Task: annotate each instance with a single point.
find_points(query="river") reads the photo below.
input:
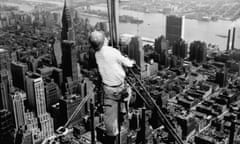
(155, 24)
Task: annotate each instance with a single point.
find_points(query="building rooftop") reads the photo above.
(33, 75)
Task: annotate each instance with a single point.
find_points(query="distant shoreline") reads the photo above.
(92, 15)
(103, 15)
(202, 19)
(27, 8)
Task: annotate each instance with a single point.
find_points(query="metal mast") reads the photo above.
(113, 17)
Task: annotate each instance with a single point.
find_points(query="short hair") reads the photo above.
(96, 39)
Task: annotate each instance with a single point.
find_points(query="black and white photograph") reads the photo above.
(119, 71)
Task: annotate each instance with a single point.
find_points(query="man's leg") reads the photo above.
(111, 120)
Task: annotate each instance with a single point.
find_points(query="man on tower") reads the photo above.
(110, 64)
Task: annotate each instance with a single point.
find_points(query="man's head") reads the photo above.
(96, 39)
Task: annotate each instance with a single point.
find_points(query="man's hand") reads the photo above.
(134, 63)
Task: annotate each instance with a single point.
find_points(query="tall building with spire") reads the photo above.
(69, 51)
(67, 23)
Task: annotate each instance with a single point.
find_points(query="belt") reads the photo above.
(114, 86)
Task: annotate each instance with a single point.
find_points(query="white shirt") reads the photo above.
(110, 61)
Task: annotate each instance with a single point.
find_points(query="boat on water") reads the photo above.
(208, 18)
(205, 18)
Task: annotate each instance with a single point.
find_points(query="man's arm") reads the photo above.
(124, 60)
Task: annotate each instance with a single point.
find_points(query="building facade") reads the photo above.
(6, 126)
(52, 93)
(18, 98)
(67, 24)
(18, 74)
(179, 49)
(37, 102)
(136, 52)
(5, 80)
(174, 28)
(198, 51)
(160, 44)
(69, 60)
(35, 93)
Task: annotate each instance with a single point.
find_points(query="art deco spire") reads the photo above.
(66, 15)
(67, 24)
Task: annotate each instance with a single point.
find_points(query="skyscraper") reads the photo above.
(69, 50)
(5, 80)
(68, 106)
(67, 23)
(18, 98)
(161, 47)
(6, 126)
(179, 49)
(69, 60)
(18, 74)
(198, 51)
(160, 44)
(57, 75)
(36, 99)
(35, 93)
(136, 52)
(69, 103)
(4, 59)
(51, 92)
(5, 88)
(174, 28)
(221, 77)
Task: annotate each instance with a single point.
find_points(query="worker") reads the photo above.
(110, 64)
